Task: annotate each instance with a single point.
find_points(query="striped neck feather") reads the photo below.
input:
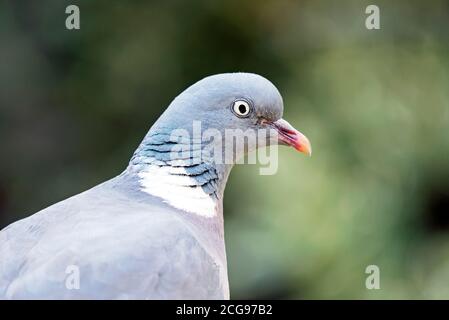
(187, 183)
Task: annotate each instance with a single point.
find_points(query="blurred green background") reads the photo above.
(375, 104)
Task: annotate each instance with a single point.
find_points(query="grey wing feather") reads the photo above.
(120, 250)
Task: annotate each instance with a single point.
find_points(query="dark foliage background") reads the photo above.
(75, 104)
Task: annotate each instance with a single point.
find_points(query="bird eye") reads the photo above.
(241, 108)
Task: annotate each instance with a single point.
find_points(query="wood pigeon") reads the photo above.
(156, 230)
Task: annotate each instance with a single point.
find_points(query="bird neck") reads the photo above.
(189, 181)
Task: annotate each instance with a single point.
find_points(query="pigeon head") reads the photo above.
(188, 153)
(235, 106)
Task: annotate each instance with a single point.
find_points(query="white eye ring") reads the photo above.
(241, 108)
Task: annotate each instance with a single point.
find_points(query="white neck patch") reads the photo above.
(175, 190)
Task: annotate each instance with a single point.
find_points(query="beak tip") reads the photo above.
(307, 150)
(304, 145)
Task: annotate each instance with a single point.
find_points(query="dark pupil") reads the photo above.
(242, 108)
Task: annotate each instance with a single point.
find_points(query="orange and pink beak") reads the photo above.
(288, 135)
